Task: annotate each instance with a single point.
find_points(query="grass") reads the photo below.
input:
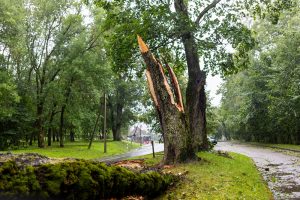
(285, 146)
(217, 177)
(80, 149)
(288, 149)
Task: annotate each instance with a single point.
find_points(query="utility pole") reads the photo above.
(104, 124)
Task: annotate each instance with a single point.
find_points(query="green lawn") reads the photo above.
(80, 149)
(217, 177)
(285, 146)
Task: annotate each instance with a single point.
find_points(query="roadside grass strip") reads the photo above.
(216, 177)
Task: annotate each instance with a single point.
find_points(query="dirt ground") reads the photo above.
(281, 171)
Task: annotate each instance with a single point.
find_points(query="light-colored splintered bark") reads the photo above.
(167, 86)
(151, 88)
(176, 87)
(143, 47)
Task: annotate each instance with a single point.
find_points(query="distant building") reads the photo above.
(137, 134)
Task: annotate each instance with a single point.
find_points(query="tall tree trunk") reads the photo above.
(49, 136)
(195, 92)
(63, 108)
(116, 114)
(61, 125)
(118, 122)
(72, 135)
(177, 135)
(50, 124)
(31, 138)
(39, 125)
(57, 136)
(53, 135)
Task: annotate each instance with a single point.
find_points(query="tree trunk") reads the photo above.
(31, 138)
(116, 114)
(72, 135)
(50, 124)
(195, 92)
(63, 108)
(61, 125)
(53, 135)
(118, 122)
(39, 125)
(177, 135)
(49, 136)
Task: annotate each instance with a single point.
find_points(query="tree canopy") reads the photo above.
(262, 102)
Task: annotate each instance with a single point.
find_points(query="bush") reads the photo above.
(78, 180)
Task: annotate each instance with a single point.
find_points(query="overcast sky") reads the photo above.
(212, 85)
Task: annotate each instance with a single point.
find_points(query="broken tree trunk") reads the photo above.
(178, 141)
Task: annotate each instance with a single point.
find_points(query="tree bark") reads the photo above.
(118, 122)
(177, 135)
(72, 135)
(53, 136)
(63, 108)
(116, 113)
(50, 124)
(195, 92)
(39, 125)
(49, 136)
(61, 125)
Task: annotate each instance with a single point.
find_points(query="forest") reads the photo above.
(262, 102)
(55, 71)
(60, 59)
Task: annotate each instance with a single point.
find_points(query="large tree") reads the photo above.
(190, 30)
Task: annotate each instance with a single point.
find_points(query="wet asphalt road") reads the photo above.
(281, 171)
(143, 150)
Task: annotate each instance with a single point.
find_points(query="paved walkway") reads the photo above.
(281, 171)
(144, 150)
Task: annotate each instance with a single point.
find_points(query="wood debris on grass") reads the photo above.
(133, 198)
(131, 164)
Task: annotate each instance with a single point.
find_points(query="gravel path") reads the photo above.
(281, 171)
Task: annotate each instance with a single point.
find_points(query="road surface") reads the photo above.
(281, 171)
(143, 150)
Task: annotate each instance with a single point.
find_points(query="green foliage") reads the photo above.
(261, 104)
(162, 28)
(8, 95)
(79, 180)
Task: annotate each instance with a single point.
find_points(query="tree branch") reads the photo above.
(209, 7)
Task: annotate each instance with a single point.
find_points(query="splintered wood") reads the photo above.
(132, 164)
(143, 47)
(151, 82)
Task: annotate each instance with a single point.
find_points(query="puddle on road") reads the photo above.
(289, 189)
(274, 165)
(283, 179)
